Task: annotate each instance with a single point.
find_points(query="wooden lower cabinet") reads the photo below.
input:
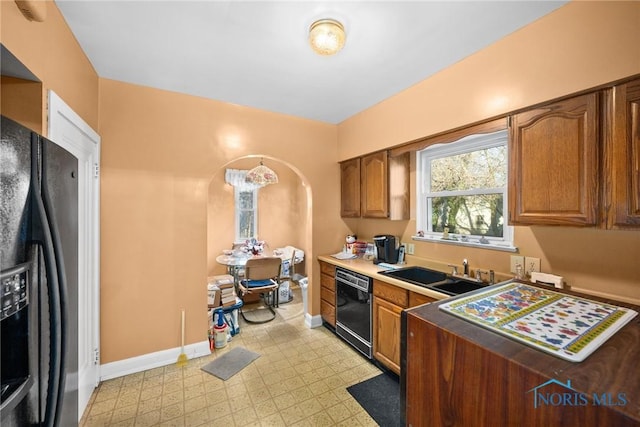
(388, 303)
(328, 293)
(416, 299)
(386, 335)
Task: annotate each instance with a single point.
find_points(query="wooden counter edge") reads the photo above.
(612, 368)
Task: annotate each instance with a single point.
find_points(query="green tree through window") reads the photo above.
(463, 187)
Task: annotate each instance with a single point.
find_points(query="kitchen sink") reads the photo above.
(433, 279)
(416, 275)
(457, 286)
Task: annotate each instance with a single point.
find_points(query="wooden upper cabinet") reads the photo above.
(381, 189)
(399, 186)
(350, 188)
(553, 164)
(375, 185)
(622, 157)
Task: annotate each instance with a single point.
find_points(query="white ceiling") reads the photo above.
(256, 53)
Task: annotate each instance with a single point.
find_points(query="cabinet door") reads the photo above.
(553, 164)
(623, 160)
(350, 188)
(399, 186)
(327, 268)
(391, 293)
(375, 186)
(386, 337)
(328, 313)
(328, 293)
(416, 299)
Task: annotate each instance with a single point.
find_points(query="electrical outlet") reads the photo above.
(411, 248)
(531, 264)
(515, 260)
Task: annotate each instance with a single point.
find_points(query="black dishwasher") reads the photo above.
(353, 309)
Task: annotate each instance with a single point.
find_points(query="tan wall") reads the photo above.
(21, 100)
(581, 45)
(50, 51)
(160, 152)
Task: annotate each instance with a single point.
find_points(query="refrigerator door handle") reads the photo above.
(62, 282)
(42, 235)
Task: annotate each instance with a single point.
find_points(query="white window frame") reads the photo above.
(237, 179)
(423, 209)
(238, 211)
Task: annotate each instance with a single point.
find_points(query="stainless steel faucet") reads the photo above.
(454, 271)
(480, 272)
(465, 266)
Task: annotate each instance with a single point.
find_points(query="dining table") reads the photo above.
(236, 260)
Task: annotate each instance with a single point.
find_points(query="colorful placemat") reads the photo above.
(566, 326)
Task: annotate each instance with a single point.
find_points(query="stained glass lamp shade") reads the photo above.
(262, 175)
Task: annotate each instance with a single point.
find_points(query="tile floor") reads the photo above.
(300, 379)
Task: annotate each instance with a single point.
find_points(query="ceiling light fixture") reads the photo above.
(261, 175)
(326, 36)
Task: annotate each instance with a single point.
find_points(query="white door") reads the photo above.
(69, 131)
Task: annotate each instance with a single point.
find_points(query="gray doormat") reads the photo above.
(229, 364)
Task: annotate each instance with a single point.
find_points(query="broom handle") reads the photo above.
(182, 342)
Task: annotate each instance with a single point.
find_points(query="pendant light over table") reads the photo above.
(262, 175)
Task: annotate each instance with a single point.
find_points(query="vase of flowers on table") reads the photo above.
(254, 246)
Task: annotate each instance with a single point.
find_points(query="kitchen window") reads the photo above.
(462, 189)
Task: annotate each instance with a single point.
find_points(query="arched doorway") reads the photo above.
(284, 211)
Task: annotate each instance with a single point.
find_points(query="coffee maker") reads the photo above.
(387, 249)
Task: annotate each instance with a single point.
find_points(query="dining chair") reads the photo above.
(261, 276)
(292, 275)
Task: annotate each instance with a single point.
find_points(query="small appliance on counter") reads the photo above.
(387, 249)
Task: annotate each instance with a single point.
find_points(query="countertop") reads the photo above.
(368, 268)
(611, 369)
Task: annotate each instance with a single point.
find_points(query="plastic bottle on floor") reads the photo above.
(220, 331)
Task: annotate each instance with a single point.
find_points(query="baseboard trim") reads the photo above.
(167, 357)
(312, 321)
(152, 360)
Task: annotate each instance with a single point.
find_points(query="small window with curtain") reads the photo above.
(462, 189)
(246, 205)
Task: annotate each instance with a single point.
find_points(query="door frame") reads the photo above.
(60, 117)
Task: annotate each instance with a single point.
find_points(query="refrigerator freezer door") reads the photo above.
(39, 190)
(60, 194)
(15, 177)
(19, 334)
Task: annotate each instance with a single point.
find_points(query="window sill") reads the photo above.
(473, 243)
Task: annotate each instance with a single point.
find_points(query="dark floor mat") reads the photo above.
(380, 397)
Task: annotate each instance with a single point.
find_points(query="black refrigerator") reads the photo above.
(38, 280)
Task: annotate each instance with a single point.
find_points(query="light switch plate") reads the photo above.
(531, 264)
(515, 260)
(410, 248)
